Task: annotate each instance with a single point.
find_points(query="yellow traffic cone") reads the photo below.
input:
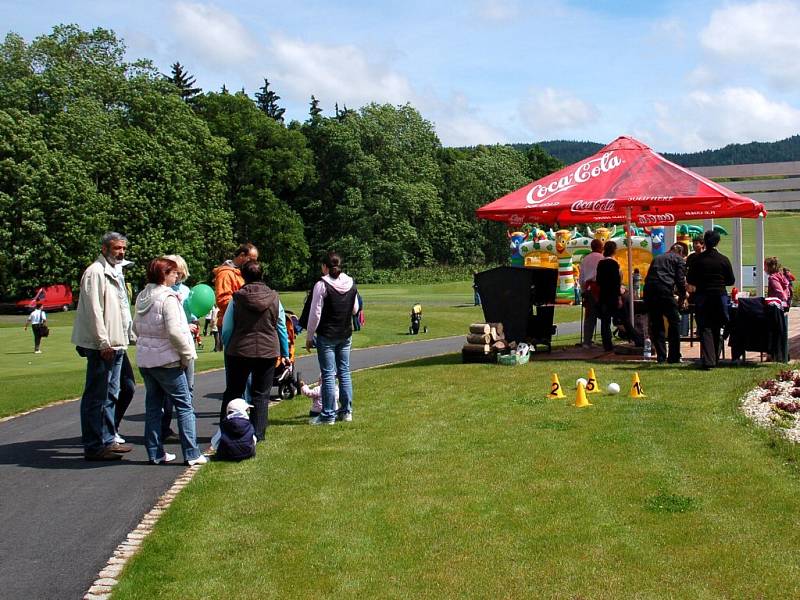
(580, 398)
(636, 387)
(555, 387)
(592, 387)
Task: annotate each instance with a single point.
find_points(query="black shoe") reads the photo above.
(169, 436)
(105, 454)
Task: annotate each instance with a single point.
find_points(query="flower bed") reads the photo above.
(776, 403)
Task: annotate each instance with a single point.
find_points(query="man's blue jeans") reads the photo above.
(97, 403)
(161, 383)
(334, 360)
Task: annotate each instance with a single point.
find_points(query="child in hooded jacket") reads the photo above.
(236, 437)
(315, 393)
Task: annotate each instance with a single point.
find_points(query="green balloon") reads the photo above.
(201, 299)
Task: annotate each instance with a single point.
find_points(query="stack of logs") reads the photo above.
(484, 341)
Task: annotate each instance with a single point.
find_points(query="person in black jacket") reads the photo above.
(236, 438)
(609, 280)
(665, 278)
(710, 273)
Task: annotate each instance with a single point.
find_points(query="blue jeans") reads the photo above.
(97, 403)
(166, 419)
(334, 360)
(161, 383)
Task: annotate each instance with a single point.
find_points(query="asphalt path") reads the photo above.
(61, 517)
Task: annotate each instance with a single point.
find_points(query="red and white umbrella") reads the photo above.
(624, 181)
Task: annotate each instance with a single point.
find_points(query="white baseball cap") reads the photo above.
(238, 404)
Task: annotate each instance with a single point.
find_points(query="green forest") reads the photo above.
(90, 143)
(786, 150)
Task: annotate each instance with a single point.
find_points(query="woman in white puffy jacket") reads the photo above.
(163, 351)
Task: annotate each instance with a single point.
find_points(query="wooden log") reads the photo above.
(500, 345)
(496, 335)
(479, 328)
(478, 348)
(479, 338)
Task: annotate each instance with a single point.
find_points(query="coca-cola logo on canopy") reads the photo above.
(582, 173)
(583, 206)
(651, 219)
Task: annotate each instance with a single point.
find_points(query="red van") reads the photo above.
(52, 297)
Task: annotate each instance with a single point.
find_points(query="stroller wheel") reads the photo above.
(286, 390)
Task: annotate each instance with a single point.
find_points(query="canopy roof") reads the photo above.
(624, 174)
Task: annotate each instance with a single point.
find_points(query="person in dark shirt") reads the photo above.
(609, 280)
(665, 278)
(710, 273)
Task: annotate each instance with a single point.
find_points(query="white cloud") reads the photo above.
(702, 76)
(468, 130)
(759, 34)
(500, 11)
(341, 73)
(216, 36)
(552, 111)
(732, 115)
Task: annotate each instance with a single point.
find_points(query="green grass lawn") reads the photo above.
(465, 482)
(31, 380)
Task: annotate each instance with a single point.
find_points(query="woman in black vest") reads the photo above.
(334, 301)
(254, 333)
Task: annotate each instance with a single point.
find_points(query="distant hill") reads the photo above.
(732, 154)
(564, 150)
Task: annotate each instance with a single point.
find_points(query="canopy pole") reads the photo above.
(629, 245)
(760, 256)
(737, 252)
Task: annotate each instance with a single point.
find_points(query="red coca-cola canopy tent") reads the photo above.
(625, 175)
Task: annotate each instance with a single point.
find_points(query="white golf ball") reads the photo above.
(579, 381)
(613, 388)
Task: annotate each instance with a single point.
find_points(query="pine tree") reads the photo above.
(224, 91)
(315, 111)
(184, 82)
(341, 115)
(267, 102)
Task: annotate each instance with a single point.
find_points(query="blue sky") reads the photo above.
(679, 75)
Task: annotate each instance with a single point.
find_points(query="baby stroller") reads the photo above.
(287, 377)
(416, 319)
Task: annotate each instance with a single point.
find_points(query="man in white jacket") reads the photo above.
(101, 335)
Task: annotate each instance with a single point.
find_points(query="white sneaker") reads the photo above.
(346, 417)
(119, 439)
(37, 352)
(167, 458)
(320, 421)
(200, 460)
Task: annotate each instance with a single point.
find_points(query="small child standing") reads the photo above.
(236, 438)
(315, 393)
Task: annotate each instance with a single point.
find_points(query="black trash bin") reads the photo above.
(522, 300)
